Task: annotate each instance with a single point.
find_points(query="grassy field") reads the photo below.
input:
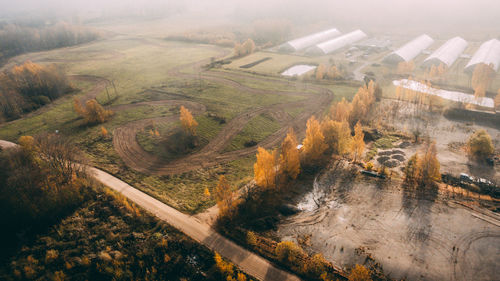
(136, 65)
(256, 130)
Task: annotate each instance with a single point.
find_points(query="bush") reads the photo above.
(289, 252)
(480, 145)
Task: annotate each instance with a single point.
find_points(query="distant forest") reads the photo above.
(19, 38)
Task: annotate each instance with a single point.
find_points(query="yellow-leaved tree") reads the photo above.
(340, 111)
(92, 112)
(265, 168)
(320, 71)
(224, 197)
(337, 136)
(430, 166)
(187, 121)
(314, 143)
(289, 158)
(358, 143)
(480, 145)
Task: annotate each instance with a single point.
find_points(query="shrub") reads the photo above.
(480, 145)
(289, 252)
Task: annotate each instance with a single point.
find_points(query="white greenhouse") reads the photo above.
(410, 50)
(488, 53)
(308, 41)
(448, 53)
(337, 43)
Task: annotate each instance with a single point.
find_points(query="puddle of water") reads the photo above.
(449, 95)
(298, 70)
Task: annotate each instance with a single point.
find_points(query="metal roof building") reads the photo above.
(488, 53)
(337, 43)
(310, 40)
(410, 50)
(448, 53)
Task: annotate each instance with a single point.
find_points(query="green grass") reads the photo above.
(135, 67)
(256, 130)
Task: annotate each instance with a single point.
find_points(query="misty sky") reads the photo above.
(366, 12)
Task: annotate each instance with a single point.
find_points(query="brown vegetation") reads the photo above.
(481, 79)
(245, 48)
(40, 182)
(480, 145)
(423, 168)
(92, 112)
(29, 86)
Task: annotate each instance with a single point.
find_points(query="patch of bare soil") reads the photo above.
(418, 236)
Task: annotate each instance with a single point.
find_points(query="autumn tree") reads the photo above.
(340, 111)
(248, 46)
(423, 169)
(480, 145)
(429, 166)
(358, 143)
(412, 173)
(497, 101)
(289, 252)
(337, 136)
(224, 197)
(481, 79)
(104, 132)
(334, 73)
(314, 142)
(92, 112)
(362, 103)
(187, 121)
(265, 168)
(359, 273)
(320, 71)
(289, 158)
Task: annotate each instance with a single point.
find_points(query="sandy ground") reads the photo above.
(414, 237)
(450, 136)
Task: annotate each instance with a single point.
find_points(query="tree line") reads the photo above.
(29, 86)
(17, 39)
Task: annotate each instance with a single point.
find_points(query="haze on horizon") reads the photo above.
(477, 15)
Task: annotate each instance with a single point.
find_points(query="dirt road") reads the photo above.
(250, 263)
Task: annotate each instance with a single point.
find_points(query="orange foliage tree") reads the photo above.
(337, 135)
(314, 143)
(359, 273)
(265, 168)
(92, 112)
(481, 79)
(320, 71)
(340, 111)
(358, 143)
(289, 158)
(187, 121)
(224, 197)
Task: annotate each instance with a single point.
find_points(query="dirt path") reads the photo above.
(135, 157)
(249, 262)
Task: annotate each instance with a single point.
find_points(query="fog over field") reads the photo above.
(365, 12)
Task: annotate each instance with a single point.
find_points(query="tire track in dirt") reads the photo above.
(135, 157)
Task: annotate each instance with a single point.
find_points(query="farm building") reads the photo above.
(410, 50)
(336, 43)
(308, 41)
(488, 53)
(447, 54)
